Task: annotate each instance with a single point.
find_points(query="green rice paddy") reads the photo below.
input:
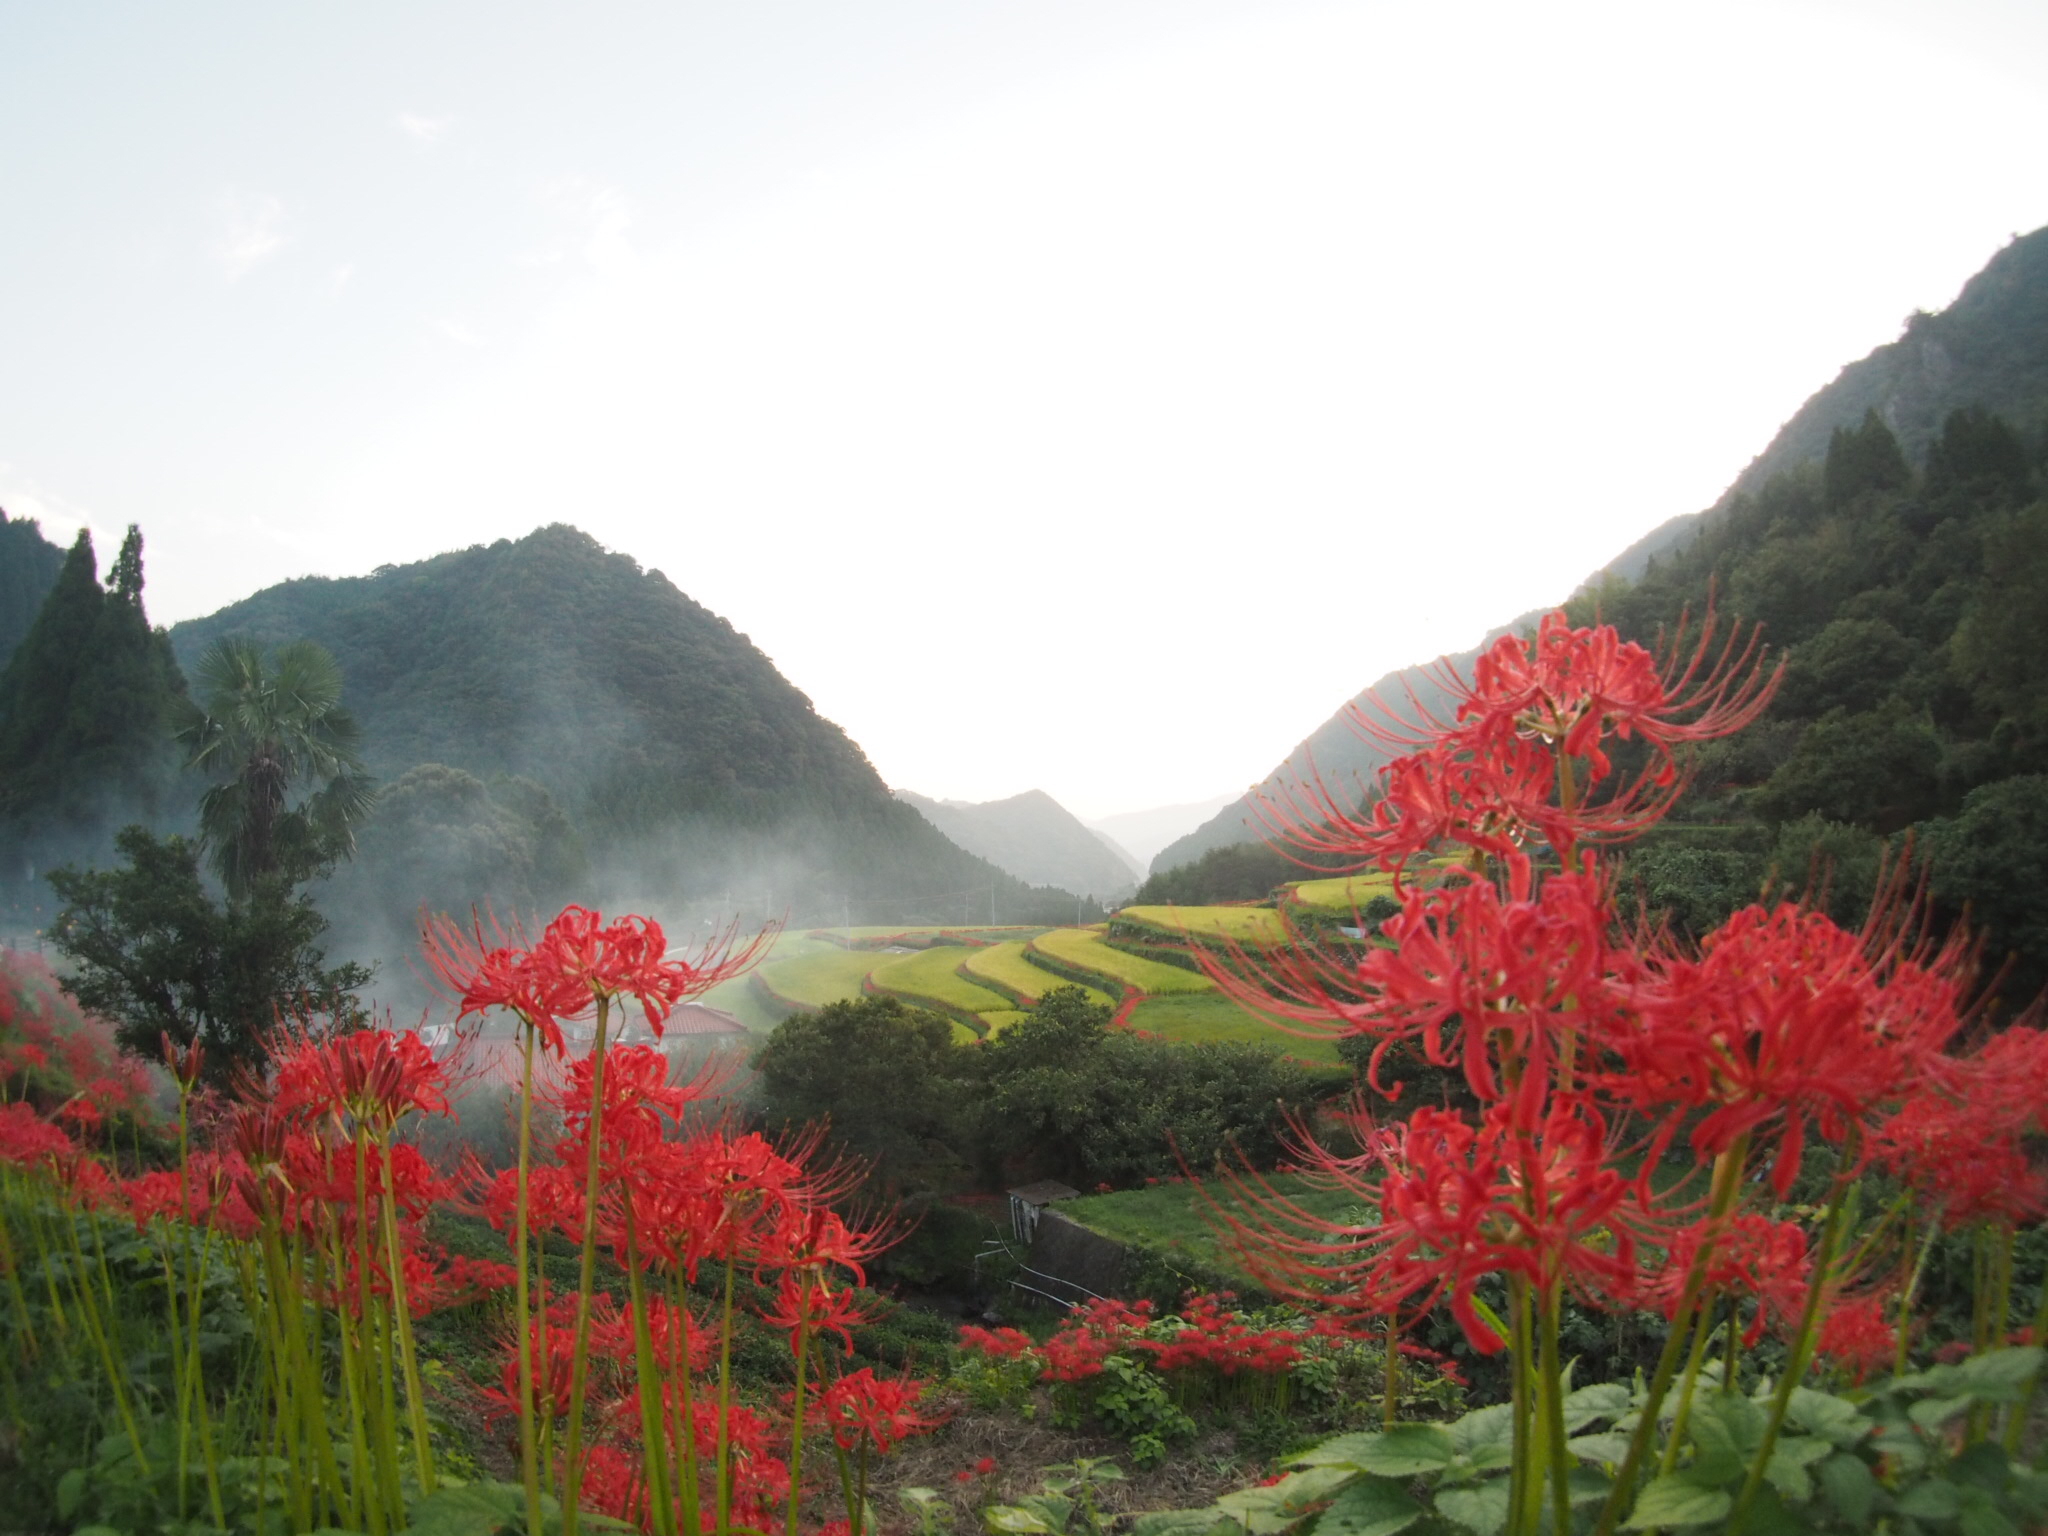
(1084, 949)
(1345, 894)
(823, 976)
(1247, 925)
(1212, 1016)
(933, 974)
(1004, 968)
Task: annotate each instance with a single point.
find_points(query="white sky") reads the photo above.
(1087, 395)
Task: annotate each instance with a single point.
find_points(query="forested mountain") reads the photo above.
(559, 723)
(1893, 542)
(1035, 838)
(28, 569)
(86, 701)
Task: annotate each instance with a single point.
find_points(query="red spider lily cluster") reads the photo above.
(628, 1409)
(1208, 1345)
(54, 1056)
(623, 1396)
(1606, 1058)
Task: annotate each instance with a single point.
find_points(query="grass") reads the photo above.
(1212, 1016)
(1247, 925)
(823, 976)
(1345, 894)
(1083, 948)
(932, 973)
(1175, 1215)
(1004, 968)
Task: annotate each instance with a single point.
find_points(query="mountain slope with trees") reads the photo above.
(87, 702)
(1893, 502)
(29, 564)
(681, 760)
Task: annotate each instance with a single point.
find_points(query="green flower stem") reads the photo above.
(88, 1311)
(522, 1299)
(408, 1358)
(1390, 1405)
(374, 1353)
(1796, 1361)
(724, 1467)
(684, 1426)
(1721, 1197)
(1700, 1338)
(796, 1428)
(1525, 1490)
(586, 1279)
(653, 1451)
(1550, 1389)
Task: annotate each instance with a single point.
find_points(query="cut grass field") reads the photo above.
(1212, 1016)
(1084, 949)
(933, 974)
(1247, 925)
(1003, 968)
(1178, 1218)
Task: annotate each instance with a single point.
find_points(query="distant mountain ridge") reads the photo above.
(1036, 839)
(1988, 348)
(666, 737)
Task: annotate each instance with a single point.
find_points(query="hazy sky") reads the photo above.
(1087, 395)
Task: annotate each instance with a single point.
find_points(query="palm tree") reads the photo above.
(266, 731)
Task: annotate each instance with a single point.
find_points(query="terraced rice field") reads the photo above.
(1003, 968)
(932, 974)
(823, 976)
(1246, 925)
(1212, 1016)
(1083, 948)
(871, 935)
(1000, 1020)
(1345, 894)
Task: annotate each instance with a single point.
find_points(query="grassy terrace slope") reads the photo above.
(1244, 925)
(1199, 1016)
(930, 979)
(1003, 968)
(1345, 894)
(1082, 950)
(1175, 1221)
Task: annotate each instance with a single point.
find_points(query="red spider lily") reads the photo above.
(1457, 1202)
(1963, 1163)
(1859, 1334)
(1785, 1018)
(149, 1196)
(81, 1113)
(862, 1407)
(997, 1344)
(1489, 776)
(27, 1139)
(1093, 1332)
(1213, 1337)
(805, 1303)
(376, 1076)
(1748, 1255)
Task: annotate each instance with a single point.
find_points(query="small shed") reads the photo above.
(1027, 1200)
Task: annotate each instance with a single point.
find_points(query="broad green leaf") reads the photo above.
(1934, 1499)
(1338, 1451)
(1933, 1412)
(469, 1509)
(1484, 1428)
(1602, 1400)
(1311, 1485)
(1407, 1449)
(1482, 1509)
(1672, 1500)
(1010, 1519)
(1983, 1465)
(1180, 1522)
(1369, 1507)
(1998, 1375)
(1260, 1511)
(70, 1489)
(1789, 1478)
(1981, 1516)
(1586, 1484)
(1609, 1448)
(1850, 1488)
